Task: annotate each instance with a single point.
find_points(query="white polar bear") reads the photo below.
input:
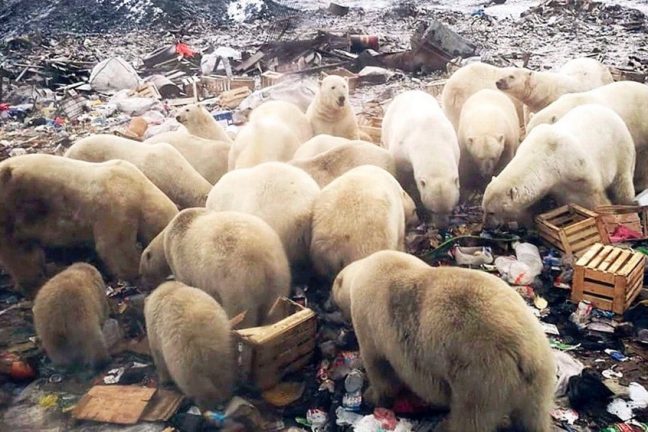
(264, 140)
(539, 89)
(586, 158)
(363, 211)
(627, 98)
(489, 134)
(330, 112)
(425, 148)
(467, 81)
(331, 164)
(289, 114)
(198, 121)
(322, 143)
(208, 157)
(278, 193)
(160, 163)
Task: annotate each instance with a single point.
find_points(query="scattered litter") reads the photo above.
(565, 415)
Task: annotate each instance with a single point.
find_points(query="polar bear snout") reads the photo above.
(341, 100)
(502, 84)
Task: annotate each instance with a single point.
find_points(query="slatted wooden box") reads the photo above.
(572, 229)
(372, 126)
(268, 353)
(609, 277)
(632, 217)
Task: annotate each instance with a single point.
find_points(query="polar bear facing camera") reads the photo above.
(586, 158)
(422, 328)
(330, 112)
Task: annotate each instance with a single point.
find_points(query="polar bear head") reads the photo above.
(517, 82)
(334, 92)
(154, 267)
(192, 114)
(440, 195)
(501, 204)
(486, 151)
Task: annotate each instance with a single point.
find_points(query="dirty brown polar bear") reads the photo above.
(160, 163)
(51, 201)
(455, 337)
(234, 257)
(69, 311)
(190, 339)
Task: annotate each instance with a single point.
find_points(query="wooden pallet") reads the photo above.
(632, 217)
(268, 353)
(572, 229)
(270, 78)
(609, 277)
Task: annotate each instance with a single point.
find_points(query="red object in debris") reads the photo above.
(409, 403)
(4, 107)
(622, 233)
(15, 367)
(386, 417)
(184, 50)
(59, 121)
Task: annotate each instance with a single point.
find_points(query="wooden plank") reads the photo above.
(610, 259)
(583, 211)
(591, 253)
(564, 220)
(595, 275)
(600, 290)
(620, 261)
(631, 264)
(119, 404)
(261, 335)
(579, 226)
(544, 230)
(565, 242)
(618, 302)
(598, 259)
(585, 243)
(598, 302)
(554, 213)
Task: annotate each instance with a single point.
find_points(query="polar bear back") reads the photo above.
(589, 73)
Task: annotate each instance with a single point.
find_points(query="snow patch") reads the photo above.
(241, 10)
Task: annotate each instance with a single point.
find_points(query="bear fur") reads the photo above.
(426, 151)
(539, 89)
(198, 121)
(330, 112)
(323, 143)
(278, 193)
(191, 344)
(489, 133)
(288, 114)
(331, 164)
(52, 201)
(234, 257)
(363, 211)
(208, 157)
(263, 140)
(457, 338)
(586, 158)
(69, 312)
(161, 163)
(467, 81)
(629, 99)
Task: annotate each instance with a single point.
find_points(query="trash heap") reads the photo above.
(55, 90)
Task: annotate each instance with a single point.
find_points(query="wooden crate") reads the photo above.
(217, 84)
(269, 352)
(270, 78)
(609, 277)
(232, 98)
(632, 217)
(572, 229)
(372, 126)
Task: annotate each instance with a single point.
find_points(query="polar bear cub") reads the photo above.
(426, 151)
(586, 158)
(190, 339)
(419, 326)
(363, 211)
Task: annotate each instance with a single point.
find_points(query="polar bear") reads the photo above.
(425, 147)
(331, 164)
(422, 329)
(627, 98)
(322, 143)
(288, 114)
(161, 163)
(586, 158)
(69, 312)
(236, 258)
(208, 157)
(467, 81)
(278, 193)
(489, 134)
(198, 121)
(263, 140)
(51, 201)
(330, 112)
(539, 89)
(191, 344)
(361, 212)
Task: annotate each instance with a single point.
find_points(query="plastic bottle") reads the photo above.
(513, 271)
(529, 255)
